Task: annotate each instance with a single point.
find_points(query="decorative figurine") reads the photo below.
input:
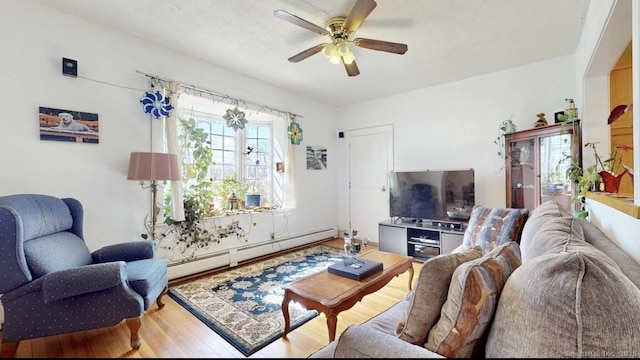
(233, 201)
(541, 121)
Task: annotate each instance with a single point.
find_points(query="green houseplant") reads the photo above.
(199, 192)
(589, 179)
(506, 127)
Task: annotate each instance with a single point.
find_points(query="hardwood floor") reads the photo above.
(174, 332)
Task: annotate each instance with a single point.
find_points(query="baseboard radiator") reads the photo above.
(231, 257)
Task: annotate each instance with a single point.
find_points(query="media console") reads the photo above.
(420, 239)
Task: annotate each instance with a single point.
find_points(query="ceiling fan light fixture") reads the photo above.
(348, 58)
(331, 52)
(326, 49)
(343, 48)
(335, 60)
(345, 51)
(340, 30)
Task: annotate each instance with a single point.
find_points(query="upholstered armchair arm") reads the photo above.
(359, 341)
(83, 280)
(127, 251)
(33, 286)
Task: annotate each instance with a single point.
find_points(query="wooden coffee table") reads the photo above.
(331, 294)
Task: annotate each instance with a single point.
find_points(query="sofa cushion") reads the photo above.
(491, 227)
(552, 235)
(627, 264)
(387, 320)
(429, 293)
(358, 341)
(562, 234)
(547, 210)
(564, 305)
(471, 302)
(147, 277)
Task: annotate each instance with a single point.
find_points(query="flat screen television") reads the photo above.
(431, 195)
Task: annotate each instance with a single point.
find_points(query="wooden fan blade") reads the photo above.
(358, 13)
(288, 17)
(306, 53)
(352, 69)
(380, 45)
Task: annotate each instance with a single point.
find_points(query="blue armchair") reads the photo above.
(52, 284)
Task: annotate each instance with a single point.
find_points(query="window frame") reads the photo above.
(241, 161)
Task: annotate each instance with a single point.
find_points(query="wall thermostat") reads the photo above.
(69, 67)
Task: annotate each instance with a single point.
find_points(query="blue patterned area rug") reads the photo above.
(244, 304)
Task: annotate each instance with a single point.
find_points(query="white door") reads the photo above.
(370, 160)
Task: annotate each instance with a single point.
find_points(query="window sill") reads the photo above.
(246, 212)
(620, 202)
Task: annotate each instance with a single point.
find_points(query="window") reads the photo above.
(247, 154)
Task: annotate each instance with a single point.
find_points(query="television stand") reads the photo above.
(422, 240)
(404, 220)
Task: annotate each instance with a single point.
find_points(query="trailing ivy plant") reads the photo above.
(506, 127)
(192, 235)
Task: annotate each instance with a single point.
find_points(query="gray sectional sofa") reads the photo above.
(571, 293)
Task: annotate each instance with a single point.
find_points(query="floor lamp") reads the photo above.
(153, 167)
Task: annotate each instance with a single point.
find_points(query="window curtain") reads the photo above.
(290, 171)
(171, 131)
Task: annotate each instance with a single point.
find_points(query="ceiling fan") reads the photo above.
(340, 29)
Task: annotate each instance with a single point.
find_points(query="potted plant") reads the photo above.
(589, 179)
(607, 166)
(506, 127)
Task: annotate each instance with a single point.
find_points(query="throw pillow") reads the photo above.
(471, 302)
(570, 304)
(491, 227)
(429, 293)
(543, 213)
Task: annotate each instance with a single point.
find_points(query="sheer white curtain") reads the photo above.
(290, 171)
(171, 133)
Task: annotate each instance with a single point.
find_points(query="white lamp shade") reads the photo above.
(153, 166)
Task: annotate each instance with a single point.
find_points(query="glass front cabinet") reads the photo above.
(536, 164)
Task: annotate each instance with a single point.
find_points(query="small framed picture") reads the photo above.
(68, 125)
(280, 166)
(316, 158)
(559, 117)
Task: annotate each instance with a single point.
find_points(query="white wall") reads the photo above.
(458, 121)
(453, 126)
(36, 38)
(609, 26)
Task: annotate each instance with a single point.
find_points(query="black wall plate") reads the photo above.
(69, 67)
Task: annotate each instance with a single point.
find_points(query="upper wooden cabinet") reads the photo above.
(621, 131)
(535, 171)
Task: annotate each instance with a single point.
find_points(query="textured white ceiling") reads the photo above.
(448, 40)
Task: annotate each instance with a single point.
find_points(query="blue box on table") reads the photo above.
(355, 268)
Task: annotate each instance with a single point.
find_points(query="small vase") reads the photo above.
(611, 182)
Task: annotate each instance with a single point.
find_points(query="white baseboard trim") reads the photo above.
(232, 257)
